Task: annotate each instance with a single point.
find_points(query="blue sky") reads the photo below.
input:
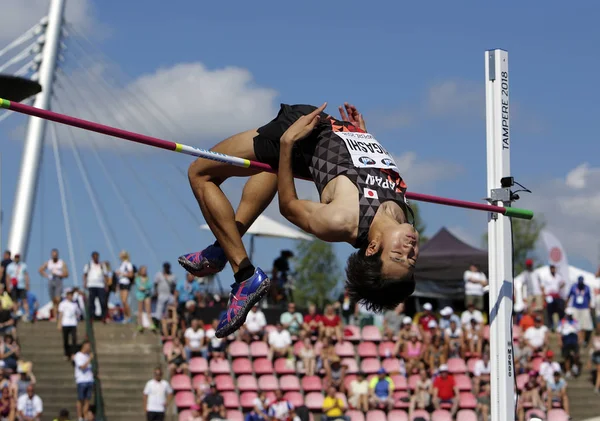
(414, 69)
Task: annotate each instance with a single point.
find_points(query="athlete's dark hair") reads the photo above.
(366, 286)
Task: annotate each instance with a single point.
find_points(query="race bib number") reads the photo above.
(366, 151)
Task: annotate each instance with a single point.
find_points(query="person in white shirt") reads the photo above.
(532, 287)
(552, 287)
(481, 372)
(475, 281)
(536, 337)
(84, 378)
(157, 397)
(68, 317)
(469, 314)
(548, 367)
(18, 276)
(95, 280)
(216, 346)
(255, 322)
(125, 275)
(56, 271)
(30, 406)
(194, 339)
(280, 342)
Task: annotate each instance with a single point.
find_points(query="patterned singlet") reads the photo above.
(343, 149)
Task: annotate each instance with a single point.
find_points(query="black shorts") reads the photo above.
(125, 287)
(18, 294)
(266, 143)
(155, 416)
(569, 349)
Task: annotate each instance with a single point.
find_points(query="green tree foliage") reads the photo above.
(317, 273)
(419, 224)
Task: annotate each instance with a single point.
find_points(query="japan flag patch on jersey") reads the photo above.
(370, 194)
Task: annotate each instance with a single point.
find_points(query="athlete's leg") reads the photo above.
(258, 193)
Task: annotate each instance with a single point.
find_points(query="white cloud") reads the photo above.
(391, 119)
(453, 98)
(420, 173)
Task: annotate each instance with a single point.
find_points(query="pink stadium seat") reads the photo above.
(289, 383)
(167, 347)
(400, 382)
(348, 380)
(314, 401)
(352, 333)
(401, 399)
(370, 365)
(367, 350)
(184, 399)
(259, 349)
(219, 367)
(185, 415)
(295, 398)
(466, 415)
(268, 382)
(311, 384)
(238, 349)
(270, 396)
(521, 380)
(282, 366)
(557, 415)
(231, 400)
(263, 366)
(350, 363)
(386, 349)
(412, 381)
(456, 365)
(298, 346)
(241, 366)
(247, 383)
(224, 382)
(535, 413)
(198, 365)
(198, 381)
(247, 399)
(397, 415)
(344, 349)
(234, 415)
(486, 332)
(536, 363)
(441, 415)
(391, 365)
(463, 382)
(516, 331)
(420, 413)
(471, 365)
(467, 400)
(376, 415)
(181, 382)
(355, 415)
(371, 333)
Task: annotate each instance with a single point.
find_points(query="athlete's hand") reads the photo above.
(303, 126)
(350, 114)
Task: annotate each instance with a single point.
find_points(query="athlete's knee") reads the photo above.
(202, 171)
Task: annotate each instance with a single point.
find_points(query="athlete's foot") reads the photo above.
(207, 262)
(244, 296)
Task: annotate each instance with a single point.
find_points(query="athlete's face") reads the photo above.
(399, 251)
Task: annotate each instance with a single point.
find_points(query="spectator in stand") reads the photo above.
(326, 353)
(84, 378)
(33, 306)
(95, 279)
(213, 406)
(552, 286)
(111, 288)
(10, 353)
(345, 307)
(594, 361)
(421, 398)
(5, 299)
(527, 320)
(187, 290)
(259, 409)
(216, 346)
(126, 276)
(7, 323)
(331, 324)
(469, 314)
(195, 413)
(358, 395)
(557, 392)
(536, 337)
(392, 321)
(333, 407)
(18, 274)
(532, 288)
(308, 357)
(170, 321)
(454, 337)
(436, 353)
(143, 295)
(568, 329)
(381, 389)
(191, 311)
(177, 358)
(412, 352)
(484, 402)
(448, 316)
(279, 275)
(68, 317)
(580, 297)
(530, 397)
(194, 340)
(473, 339)
(157, 397)
(30, 406)
(426, 317)
(475, 282)
(404, 335)
(56, 271)
(202, 389)
(6, 260)
(445, 390)
(255, 323)
(292, 320)
(8, 405)
(481, 372)
(26, 379)
(335, 374)
(280, 342)
(434, 331)
(281, 409)
(548, 367)
(164, 287)
(312, 321)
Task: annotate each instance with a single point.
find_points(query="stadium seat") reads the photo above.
(412, 381)
(456, 366)
(355, 415)
(367, 350)
(350, 363)
(268, 383)
(400, 382)
(198, 365)
(535, 413)
(167, 348)
(557, 415)
(247, 399)
(516, 331)
(391, 365)
(397, 415)
(263, 366)
(420, 413)
(185, 415)
(285, 366)
(471, 365)
(270, 396)
(238, 349)
(486, 332)
(441, 415)
(463, 382)
(224, 382)
(401, 399)
(198, 380)
(376, 415)
(231, 400)
(467, 400)
(386, 349)
(234, 415)
(295, 398)
(269, 329)
(289, 383)
(313, 400)
(521, 380)
(241, 366)
(247, 383)
(341, 396)
(311, 384)
(352, 333)
(371, 333)
(466, 415)
(348, 380)
(259, 349)
(184, 400)
(219, 367)
(344, 349)
(181, 382)
(370, 365)
(536, 363)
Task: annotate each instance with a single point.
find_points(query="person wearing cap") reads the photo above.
(580, 299)
(18, 275)
(426, 317)
(552, 287)
(448, 315)
(568, 329)
(536, 337)
(557, 392)
(158, 395)
(445, 391)
(548, 366)
(381, 389)
(475, 282)
(68, 317)
(404, 334)
(532, 287)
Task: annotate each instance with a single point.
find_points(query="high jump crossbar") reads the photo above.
(232, 160)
